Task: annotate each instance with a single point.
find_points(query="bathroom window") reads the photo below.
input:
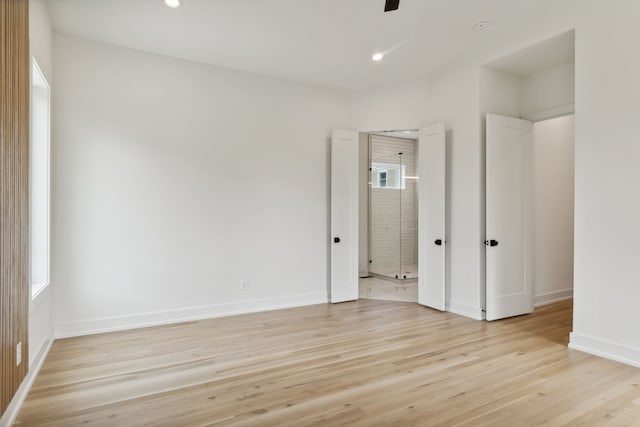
(39, 180)
(388, 175)
(382, 181)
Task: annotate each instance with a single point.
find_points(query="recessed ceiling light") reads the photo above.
(377, 56)
(406, 131)
(173, 3)
(480, 25)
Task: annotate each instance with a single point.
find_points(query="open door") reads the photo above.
(344, 216)
(431, 211)
(508, 217)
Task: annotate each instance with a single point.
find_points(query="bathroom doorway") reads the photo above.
(392, 216)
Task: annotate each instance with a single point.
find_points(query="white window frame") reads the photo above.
(389, 168)
(38, 79)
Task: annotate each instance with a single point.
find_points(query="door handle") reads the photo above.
(438, 242)
(336, 240)
(491, 242)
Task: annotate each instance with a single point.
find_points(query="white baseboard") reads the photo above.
(551, 297)
(466, 310)
(10, 415)
(603, 348)
(119, 323)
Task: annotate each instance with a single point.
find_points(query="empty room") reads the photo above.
(297, 213)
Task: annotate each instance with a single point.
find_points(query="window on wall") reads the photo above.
(388, 175)
(382, 179)
(39, 180)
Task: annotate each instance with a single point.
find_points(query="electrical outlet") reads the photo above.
(245, 285)
(19, 354)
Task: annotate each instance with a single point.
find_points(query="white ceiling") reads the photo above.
(323, 42)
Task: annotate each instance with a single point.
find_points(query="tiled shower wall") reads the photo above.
(393, 219)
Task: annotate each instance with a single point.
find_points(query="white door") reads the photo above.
(508, 217)
(431, 213)
(344, 216)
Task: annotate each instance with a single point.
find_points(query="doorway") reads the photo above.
(553, 195)
(348, 219)
(527, 105)
(429, 182)
(393, 207)
(392, 217)
(529, 214)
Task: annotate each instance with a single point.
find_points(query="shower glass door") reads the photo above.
(392, 207)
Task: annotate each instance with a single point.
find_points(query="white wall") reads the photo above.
(553, 176)
(607, 201)
(41, 331)
(41, 37)
(175, 181)
(400, 106)
(547, 91)
(537, 96)
(500, 93)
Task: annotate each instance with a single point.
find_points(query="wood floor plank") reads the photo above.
(364, 363)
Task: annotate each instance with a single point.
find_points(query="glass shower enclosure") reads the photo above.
(393, 207)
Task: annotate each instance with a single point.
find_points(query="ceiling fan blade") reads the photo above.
(391, 5)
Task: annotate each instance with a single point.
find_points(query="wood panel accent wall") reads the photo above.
(14, 201)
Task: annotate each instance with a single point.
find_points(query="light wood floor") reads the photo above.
(366, 363)
(388, 290)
